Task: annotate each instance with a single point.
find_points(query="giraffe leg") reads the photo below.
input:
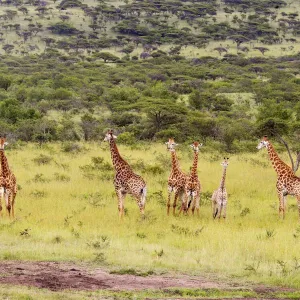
(197, 204)
(193, 203)
(224, 210)
(141, 200)
(121, 196)
(8, 201)
(281, 203)
(169, 199)
(1, 198)
(214, 204)
(184, 203)
(220, 210)
(298, 202)
(13, 205)
(177, 194)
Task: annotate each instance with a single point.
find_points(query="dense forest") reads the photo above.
(72, 69)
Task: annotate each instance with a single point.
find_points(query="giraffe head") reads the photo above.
(196, 146)
(171, 144)
(3, 142)
(225, 162)
(263, 143)
(109, 135)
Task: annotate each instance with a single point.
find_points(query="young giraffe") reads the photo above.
(125, 181)
(192, 187)
(177, 178)
(287, 182)
(219, 197)
(8, 184)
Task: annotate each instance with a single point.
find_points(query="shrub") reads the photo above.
(42, 159)
(126, 138)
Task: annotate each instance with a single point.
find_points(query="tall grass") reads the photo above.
(66, 209)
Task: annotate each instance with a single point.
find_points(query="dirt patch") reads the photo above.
(60, 276)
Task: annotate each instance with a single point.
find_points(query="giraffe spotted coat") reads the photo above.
(220, 197)
(287, 182)
(176, 180)
(192, 186)
(125, 180)
(8, 182)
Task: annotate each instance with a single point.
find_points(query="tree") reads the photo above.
(221, 50)
(262, 49)
(90, 127)
(106, 56)
(5, 82)
(162, 112)
(238, 39)
(274, 119)
(8, 48)
(63, 28)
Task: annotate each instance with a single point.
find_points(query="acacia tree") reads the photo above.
(162, 112)
(262, 49)
(220, 50)
(276, 120)
(106, 56)
(238, 39)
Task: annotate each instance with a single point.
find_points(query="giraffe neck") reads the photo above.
(175, 164)
(195, 165)
(4, 164)
(277, 163)
(117, 160)
(222, 183)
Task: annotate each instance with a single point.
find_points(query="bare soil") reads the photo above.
(60, 276)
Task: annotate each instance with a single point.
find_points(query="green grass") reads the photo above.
(8, 292)
(77, 220)
(14, 292)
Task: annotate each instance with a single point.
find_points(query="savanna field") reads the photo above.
(221, 72)
(66, 210)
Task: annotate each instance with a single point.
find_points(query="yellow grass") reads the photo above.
(68, 221)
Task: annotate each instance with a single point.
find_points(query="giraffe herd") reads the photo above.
(185, 187)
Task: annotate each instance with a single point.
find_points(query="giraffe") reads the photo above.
(192, 187)
(219, 197)
(8, 185)
(125, 181)
(177, 178)
(287, 182)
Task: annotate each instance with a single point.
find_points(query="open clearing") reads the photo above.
(66, 211)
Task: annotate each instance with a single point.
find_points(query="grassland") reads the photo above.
(68, 213)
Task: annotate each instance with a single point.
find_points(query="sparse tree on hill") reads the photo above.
(220, 50)
(262, 49)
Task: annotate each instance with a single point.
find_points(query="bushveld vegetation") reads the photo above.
(51, 98)
(66, 210)
(139, 75)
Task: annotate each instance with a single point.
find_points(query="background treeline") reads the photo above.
(141, 27)
(227, 102)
